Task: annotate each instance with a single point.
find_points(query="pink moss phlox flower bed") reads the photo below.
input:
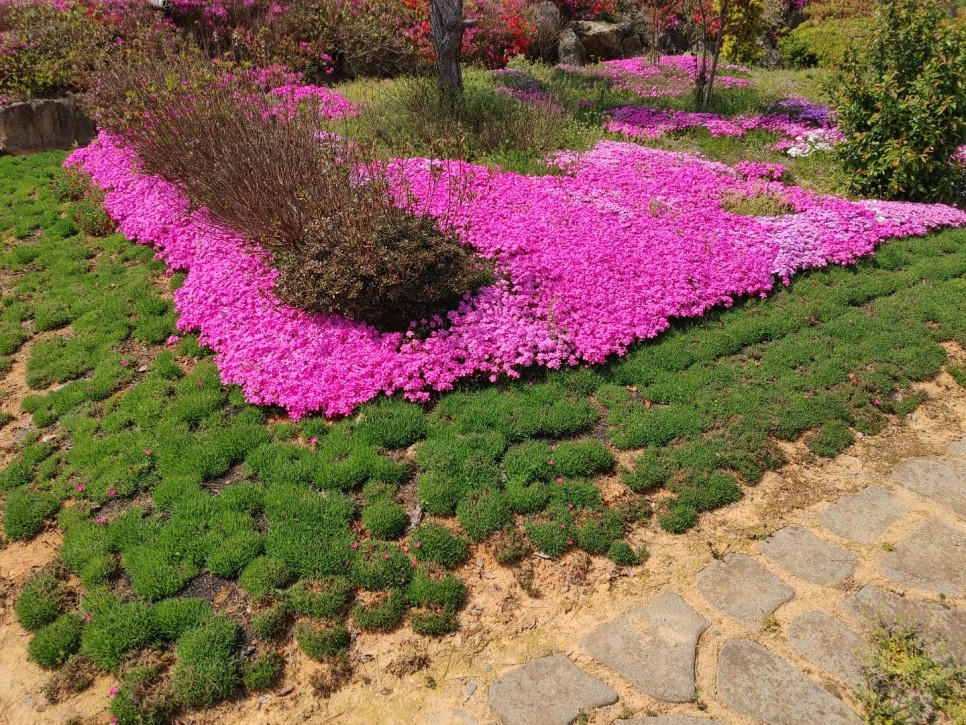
(588, 261)
(671, 75)
(331, 103)
(798, 136)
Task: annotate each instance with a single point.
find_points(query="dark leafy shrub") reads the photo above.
(383, 615)
(90, 216)
(270, 623)
(321, 640)
(263, 671)
(902, 105)
(24, 513)
(385, 519)
(323, 598)
(622, 554)
(678, 518)
(434, 542)
(346, 248)
(70, 184)
(483, 513)
(264, 575)
(41, 601)
(174, 617)
(831, 439)
(596, 530)
(379, 565)
(115, 628)
(207, 668)
(433, 623)
(447, 593)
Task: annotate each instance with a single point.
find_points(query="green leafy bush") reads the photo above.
(385, 519)
(434, 542)
(263, 671)
(321, 640)
(90, 216)
(70, 184)
(52, 645)
(829, 28)
(24, 513)
(41, 601)
(901, 102)
(383, 615)
(207, 668)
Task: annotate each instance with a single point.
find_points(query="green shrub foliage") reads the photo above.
(901, 102)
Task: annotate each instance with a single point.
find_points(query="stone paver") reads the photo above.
(551, 691)
(743, 588)
(864, 516)
(653, 647)
(831, 645)
(801, 553)
(757, 683)
(941, 481)
(670, 720)
(933, 557)
(957, 448)
(944, 630)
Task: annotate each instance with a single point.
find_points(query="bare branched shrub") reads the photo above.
(342, 234)
(545, 34)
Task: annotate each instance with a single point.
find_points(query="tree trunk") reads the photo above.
(718, 43)
(447, 27)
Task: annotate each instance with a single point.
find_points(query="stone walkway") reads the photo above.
(765, 671)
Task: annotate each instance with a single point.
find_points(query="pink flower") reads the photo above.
(112, 492)
(875, 402)
(559, 479)
(101, 520)
(113, 691)
(385, 556)
(124, 362)
(563, 526)
(570, 542)
(550, 462)
(79, 487)
(147, 451)
(417, 544)
(173, 340)
(313, 440)
(88, 618)
(355, 544)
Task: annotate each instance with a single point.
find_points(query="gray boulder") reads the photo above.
(570, 49)
(43, 125)
(601, 40)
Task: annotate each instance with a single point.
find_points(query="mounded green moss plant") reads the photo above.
(116, 628)
(53, 644)
(382, 615)
(483, 513)
(24, 513)
(320, 640)
(385, 519)
(434, 542)
(323, 598)
(379, 565)
(264, 575)
(433, 623)
(271, 622)
(447, 593)
(174, 617)
(41, 601)
(207, 667)
(263, 671)
(622, 554)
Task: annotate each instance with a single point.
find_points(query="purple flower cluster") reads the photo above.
(587, 262)
(799, 136)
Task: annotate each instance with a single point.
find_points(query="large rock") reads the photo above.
(547, 24)
(601, 40)
(43, 125)
(570, 50)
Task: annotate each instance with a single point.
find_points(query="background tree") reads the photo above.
(447, 27)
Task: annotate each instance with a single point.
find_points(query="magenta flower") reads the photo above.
(113, 691)
(112, 492)
(173, 340)
(147, 451)
(355, 544)
(417, 544)
(559, 479)
(313, 440)
(79, 487)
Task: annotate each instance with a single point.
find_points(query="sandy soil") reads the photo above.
(402, 678)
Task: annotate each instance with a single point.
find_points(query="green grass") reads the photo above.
(191, 480)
